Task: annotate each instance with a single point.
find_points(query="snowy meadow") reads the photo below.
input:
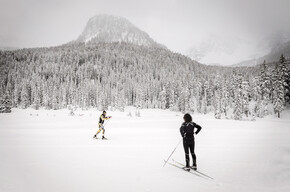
(49, 150)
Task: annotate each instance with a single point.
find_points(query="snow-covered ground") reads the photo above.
(50, 151)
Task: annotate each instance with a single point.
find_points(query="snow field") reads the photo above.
(52, 151)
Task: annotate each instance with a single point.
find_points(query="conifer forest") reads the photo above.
(115, 75)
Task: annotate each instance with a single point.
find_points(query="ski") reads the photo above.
(193, 169)
(100, 138)
(179, 167)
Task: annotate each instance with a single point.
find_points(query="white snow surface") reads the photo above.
(46, 150)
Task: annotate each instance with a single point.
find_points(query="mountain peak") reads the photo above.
(109, 28)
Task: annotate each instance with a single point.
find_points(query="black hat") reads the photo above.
(187, 117)
(104, 112)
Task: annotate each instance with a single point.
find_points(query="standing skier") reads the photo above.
(101, 125)
(187, 133)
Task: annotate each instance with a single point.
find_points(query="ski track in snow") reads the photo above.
(52, 151)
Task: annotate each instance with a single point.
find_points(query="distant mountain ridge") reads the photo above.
(109, 28)
(220, 49)
(233, 51)
(275, 40)
(273, 56)
(276, 52)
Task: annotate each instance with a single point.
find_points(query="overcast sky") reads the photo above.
(175, 23)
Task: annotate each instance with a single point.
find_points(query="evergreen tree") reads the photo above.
(169, 97)
(225, 99)
(245, 98)
(287, 87)
(257, 97)
(265, 82)
(285, 78)
(278, 92)
(5, 104)
(162, 99)
(204, 98)
(192, 104)
(282, 59)
(25, 96)
(238, 111)
(218, 106)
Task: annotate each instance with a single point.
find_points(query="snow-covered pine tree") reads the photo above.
(169, 96)
(282, 59)
(266, 88)
(181, 101)
(257, 97)
(238, 106)
(55, 96)
(36, 102)
(186, 99)
(139, 95)
(217, 103)
(265, 83)
(25, 96)
(203, 106)
(238, 110)
(225, 99)
(191, 102)
(233, 85)
(285, 77)
(204, 98)
(176, 90)
(146, 97)
(162, 98)
(245, 97)
(278, 91)
(16, 95)
(287, 97)
(198, 94)
(120, 100)
(46, 97)
(105, 104)
(5, 103)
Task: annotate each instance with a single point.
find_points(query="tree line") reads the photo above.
(116, 75)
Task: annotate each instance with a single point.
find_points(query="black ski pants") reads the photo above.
(188, 144)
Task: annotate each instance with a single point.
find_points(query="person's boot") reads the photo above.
(186, 168)
(194, 167)
(104, 137)
(95, 136)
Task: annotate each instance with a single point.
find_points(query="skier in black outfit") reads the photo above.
(187, 133)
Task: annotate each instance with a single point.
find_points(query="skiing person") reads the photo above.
(187, 133)
(101, 125)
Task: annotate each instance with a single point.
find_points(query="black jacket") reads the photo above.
(187, 130)
(103, 118)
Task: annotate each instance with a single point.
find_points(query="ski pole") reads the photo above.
(106, 122)
(171, 153)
